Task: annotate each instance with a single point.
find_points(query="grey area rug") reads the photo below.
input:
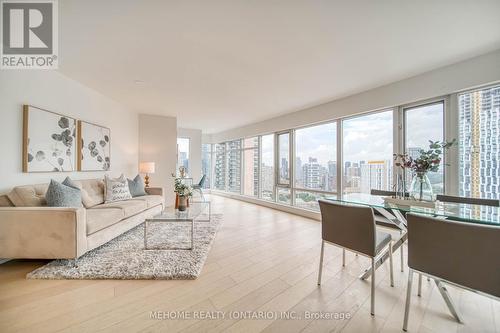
(125, 258)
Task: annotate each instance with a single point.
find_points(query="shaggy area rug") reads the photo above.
(125, 258)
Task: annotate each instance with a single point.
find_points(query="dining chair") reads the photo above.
(465, 200)
(382, 219)
(353, 227)
(199, 187)
(458, 253)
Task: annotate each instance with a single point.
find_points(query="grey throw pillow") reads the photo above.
(70, 183)
(59, 195)
(136, 187)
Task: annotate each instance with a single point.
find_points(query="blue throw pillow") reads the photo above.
(70, 183)
(59, 195)
(136, 187)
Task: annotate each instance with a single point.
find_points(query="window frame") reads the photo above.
(402, 131)
(340, 144)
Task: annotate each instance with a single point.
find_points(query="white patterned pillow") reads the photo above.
(116, 189)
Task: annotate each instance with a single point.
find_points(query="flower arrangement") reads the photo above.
(429, 160)
(182, 189)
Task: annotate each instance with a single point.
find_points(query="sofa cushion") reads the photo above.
(5, 201)
(129, 207)
(98, 219)
(136, 186)
(116, 189)
(92, 191)
(28, 195)
(151, 200)
(60, 195)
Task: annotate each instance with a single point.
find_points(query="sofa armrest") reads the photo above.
(42, 232)
(154, 190)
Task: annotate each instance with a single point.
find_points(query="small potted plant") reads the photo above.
(429, 160)
(183, 192)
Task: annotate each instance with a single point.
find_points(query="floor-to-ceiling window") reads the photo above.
(423, 123)
(298, 166)
(367, 152)
(233, 155)
(315, 164)
(220, 167)
(206, 164)
(479, 143)
(267, 167)
(251, 166)
(183, 153)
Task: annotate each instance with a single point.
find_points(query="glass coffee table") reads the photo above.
(182, 223)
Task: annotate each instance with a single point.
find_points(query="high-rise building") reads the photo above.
(479, 143)
(267, 180)
(233, 153)
(299, 175)
(284, 168)
(332, 176)
(376, 175)
(414, 152)
(311, 173)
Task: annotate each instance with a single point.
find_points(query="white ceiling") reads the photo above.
(222, 64)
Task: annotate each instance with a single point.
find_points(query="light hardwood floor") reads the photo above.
(262, 260)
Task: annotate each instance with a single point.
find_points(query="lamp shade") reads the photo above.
(147, 167)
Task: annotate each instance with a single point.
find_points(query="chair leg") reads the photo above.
(321, 262)
(419, 293)
(447, 298)
(408, 300)
(372, 298)
(202, 195)
(402, 258)
(391, 265)
(343, 257)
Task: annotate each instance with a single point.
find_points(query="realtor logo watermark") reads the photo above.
(29, 34)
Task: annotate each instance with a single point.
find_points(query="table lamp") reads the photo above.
(147, 168)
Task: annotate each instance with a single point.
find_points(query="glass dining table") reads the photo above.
(393, 215)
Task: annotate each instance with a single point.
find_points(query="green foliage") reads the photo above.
(182, 189)
(429, 160)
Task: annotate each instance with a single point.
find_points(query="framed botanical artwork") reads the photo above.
(49, 141)
(94, 147)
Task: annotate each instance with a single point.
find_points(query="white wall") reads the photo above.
(194, 136)
(158, 143)
(53, 91)
(460, 76)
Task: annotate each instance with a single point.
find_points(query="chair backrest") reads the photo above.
(471, 201)
(202, 181)
(463, 253)
(350, 226)
(386, 193)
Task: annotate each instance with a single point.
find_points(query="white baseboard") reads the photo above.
(285, 208)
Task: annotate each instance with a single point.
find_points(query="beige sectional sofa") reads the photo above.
(30, 229)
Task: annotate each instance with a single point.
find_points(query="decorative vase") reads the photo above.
(182, 203)
(421, 187)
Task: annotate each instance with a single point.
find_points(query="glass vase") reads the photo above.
(421, 187)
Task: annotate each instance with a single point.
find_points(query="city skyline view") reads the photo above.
(367, 143)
